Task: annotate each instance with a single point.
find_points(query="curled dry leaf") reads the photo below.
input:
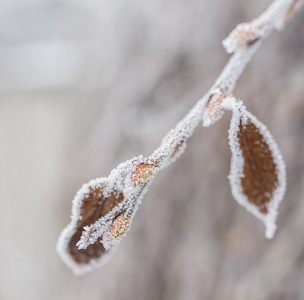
(90, 204)
(257, 175)
(243, 35)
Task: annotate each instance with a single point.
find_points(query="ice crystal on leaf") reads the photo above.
(257, 175)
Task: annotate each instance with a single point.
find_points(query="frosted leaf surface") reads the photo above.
(90, 203)
(257, 176)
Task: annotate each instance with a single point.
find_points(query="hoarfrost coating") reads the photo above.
(104, 208)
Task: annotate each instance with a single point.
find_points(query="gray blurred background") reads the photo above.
(85, 85)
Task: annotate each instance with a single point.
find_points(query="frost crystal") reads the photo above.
(257, 175)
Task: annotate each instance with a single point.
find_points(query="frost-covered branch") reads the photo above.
(103, 209)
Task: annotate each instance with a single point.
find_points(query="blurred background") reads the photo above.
(85, 85)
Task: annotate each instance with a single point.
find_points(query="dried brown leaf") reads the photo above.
(93, 207)
(257, 175)
(260, 176)
(92, 202)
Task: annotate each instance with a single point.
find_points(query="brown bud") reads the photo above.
(119, 227)
(243, 35)
(142, 173)
(214, 111)
(178, 150)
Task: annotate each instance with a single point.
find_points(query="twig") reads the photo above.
(118, 195)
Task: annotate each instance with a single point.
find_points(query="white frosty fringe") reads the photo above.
(239, 113)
